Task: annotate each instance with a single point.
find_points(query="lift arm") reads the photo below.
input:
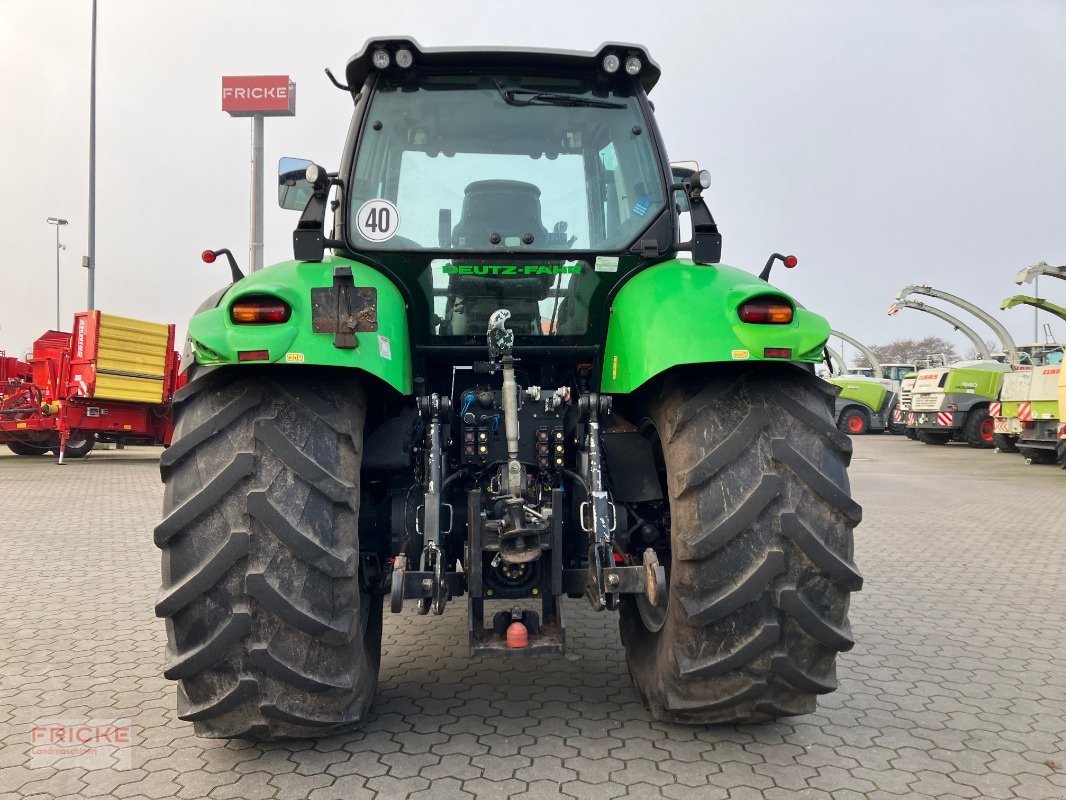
(1004, 336)
(957, 324)
(866, 351)
(1035, 302)
(1042, 268)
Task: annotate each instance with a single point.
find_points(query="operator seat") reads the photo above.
(509, 208)
(512, 210)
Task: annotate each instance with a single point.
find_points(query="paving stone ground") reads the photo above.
(955, 689)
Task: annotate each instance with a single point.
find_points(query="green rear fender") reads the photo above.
(679, 313)
(385, 353)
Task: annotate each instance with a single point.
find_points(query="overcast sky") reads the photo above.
(884, 143)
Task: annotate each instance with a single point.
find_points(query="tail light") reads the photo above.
(260, 311)
(766, 311)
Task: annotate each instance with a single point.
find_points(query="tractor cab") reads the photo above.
(489, 179)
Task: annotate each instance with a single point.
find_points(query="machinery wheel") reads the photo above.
(268, 628)
(911, 433)
(933, 437)
(1037, 456)
(980, 429)
(760, 571)
(1005, 443)
(896, 428)
(77, 448)
(854, 421)
(26, 449)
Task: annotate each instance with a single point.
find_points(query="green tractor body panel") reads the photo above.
(679, 313)
(383, 351)
(868, 391)
(978, 378)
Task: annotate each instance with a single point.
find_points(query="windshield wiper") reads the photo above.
(533, 97)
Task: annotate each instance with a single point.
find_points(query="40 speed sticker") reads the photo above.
(377, 220)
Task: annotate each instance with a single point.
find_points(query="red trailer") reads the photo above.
(13, 372)
(112, 380)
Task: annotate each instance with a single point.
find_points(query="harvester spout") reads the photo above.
(1035, 302)
(866, 351)
(955, 322)
(1005, 339)
(1029, 274)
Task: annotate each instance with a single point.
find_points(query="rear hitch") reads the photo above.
(519, 539)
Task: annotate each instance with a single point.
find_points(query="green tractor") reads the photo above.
(506, 381)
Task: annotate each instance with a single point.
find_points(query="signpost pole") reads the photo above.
(255, 246)
(91, 258)
(257, 96)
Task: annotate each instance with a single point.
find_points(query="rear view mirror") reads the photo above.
(694, 218)
(294, 190)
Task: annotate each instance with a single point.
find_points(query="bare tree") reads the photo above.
(992, 345)
(907, 351)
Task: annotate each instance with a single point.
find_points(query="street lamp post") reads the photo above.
(57, 222)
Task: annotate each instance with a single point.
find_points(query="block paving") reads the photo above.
(956, 687)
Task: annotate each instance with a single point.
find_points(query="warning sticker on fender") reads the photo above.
(739, 354)
(385, 348)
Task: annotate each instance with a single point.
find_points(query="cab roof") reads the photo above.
(463, 58)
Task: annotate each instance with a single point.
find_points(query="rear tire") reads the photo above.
(760, 571)
(896, 428)
(854, 421)
(933, 437)
(911, 433)
(268, 628)
(979, 430)
(1005, 443)
(25, 449)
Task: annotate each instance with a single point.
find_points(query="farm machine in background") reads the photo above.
(956, 401)
(13, 371)
(111, 380)
(868, 395)
(906, 390)
(522, 374)
(1031, 405)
